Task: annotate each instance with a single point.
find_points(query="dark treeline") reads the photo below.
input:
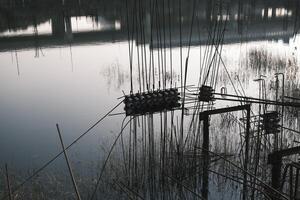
(19, 14)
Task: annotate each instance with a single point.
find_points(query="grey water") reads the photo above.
(67, 62)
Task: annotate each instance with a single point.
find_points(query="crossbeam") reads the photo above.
(204, 116)
(223, 110)
(282, 153)
(275, 159)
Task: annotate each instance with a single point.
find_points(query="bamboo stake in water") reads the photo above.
(8, 182)
(68, 163)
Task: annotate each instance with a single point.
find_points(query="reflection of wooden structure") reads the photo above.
(204, 116)
(294, 190)
(271, 122)
(275, 159)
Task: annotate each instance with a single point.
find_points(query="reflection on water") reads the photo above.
(69, 61)
(115, 76)
(63, 23)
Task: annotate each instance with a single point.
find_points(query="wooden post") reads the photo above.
(276, 175)
(247, 138)
(205, 153)
(275, 159)
(68, 163)
(204, 116)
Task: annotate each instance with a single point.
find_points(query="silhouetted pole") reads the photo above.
(8, 183)
(205, 153)
(247, 140)
(68, 27)
(296, 184)
(68, 163)
(276, 174)
(58, 25)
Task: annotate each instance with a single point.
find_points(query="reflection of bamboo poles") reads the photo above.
(179, 166)
(68, 163)
(239, 180)
(108, 156)
(248, 173)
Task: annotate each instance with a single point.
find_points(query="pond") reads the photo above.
(70, 62)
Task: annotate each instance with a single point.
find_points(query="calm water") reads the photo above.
(69, 65)
(46, 80)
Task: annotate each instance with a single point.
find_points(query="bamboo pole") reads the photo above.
(8, 182)
(68, 163)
